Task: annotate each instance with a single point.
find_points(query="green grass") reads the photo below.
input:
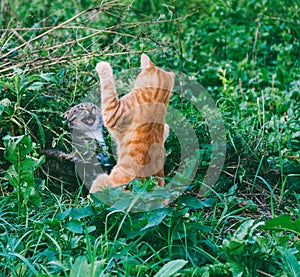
(244, 53)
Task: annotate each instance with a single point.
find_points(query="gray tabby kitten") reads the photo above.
(85, 122)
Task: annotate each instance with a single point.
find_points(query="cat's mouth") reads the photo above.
(89, 120)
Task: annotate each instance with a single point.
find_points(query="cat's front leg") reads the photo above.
(104, 70)
(109, 98)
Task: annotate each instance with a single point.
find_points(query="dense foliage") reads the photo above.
(246, 54)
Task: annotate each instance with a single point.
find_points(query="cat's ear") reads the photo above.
(145, 61)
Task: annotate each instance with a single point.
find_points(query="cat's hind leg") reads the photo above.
(117, 177)
(120, 176)
(100, 183)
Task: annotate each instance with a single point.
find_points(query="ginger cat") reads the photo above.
(137, 123)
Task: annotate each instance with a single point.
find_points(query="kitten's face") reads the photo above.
(152, 76)
(84, 117)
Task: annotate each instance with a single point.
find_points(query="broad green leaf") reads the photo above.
(156, 218)
(74, 227)
(25, 146)
(33, 78)
(99, 268)
(192, 202)
(81, 212)
(209, 202)
(205, 274)
(32, 163)
(34, 197)
(170, 268)
(7, 85)
(80, 268)
(63, 215)
(242, 232)
(291, 264)
(236, 269)
(10, 143)
(31, 196)
(48, 77)
(234, 246)
(283, 223)
(91, 229)
(36, 86)
(120, 205)
(12, 176)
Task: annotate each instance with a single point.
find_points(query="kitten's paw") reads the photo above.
(104, 70)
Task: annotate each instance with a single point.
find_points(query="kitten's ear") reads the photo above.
(145, 61)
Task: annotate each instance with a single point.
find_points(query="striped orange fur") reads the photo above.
(136, 122)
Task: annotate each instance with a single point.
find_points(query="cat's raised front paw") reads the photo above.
(104, 70)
